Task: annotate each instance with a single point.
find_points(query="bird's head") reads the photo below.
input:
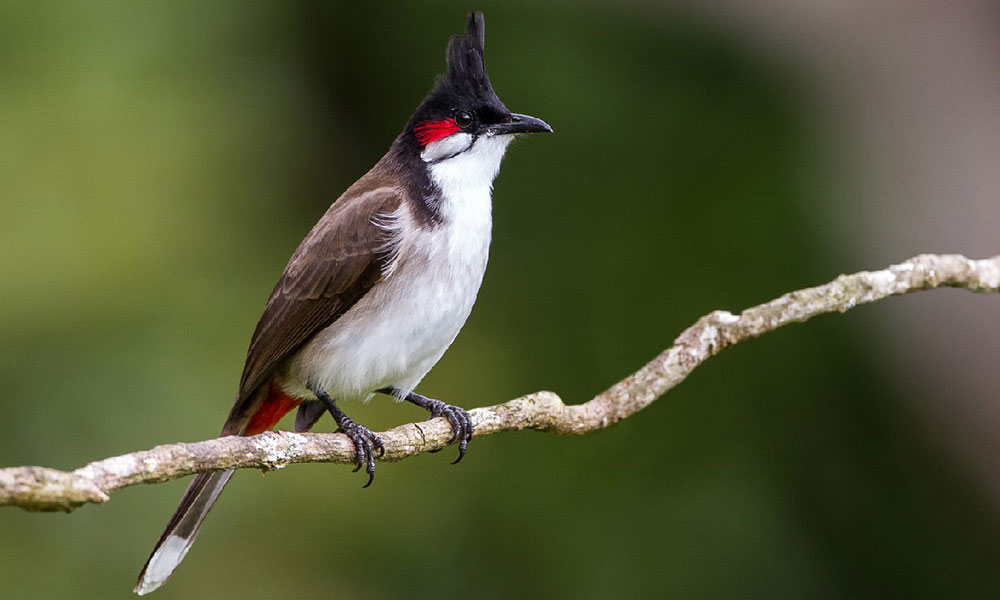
(463, 113)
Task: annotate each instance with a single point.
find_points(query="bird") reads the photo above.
(379, 288)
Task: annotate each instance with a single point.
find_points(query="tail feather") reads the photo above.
(263, 409)
(309, 412)
(182, 529)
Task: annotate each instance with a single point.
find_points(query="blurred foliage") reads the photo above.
(160, 162)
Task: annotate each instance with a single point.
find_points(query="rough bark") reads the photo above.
(44, 489)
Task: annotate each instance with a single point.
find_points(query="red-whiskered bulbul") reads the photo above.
(380, 287)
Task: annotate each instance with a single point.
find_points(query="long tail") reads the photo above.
(261, 413)
(182, 529)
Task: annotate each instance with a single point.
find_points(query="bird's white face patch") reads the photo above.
(446, 147)
(473, 169)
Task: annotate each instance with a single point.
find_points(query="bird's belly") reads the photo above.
(401, 328)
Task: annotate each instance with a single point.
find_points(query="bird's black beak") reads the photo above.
(519, 124)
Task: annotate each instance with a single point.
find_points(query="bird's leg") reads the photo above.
(365, 441)
(461, 422)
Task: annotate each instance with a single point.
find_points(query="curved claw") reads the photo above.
(467, 430)
(461, 451)
(459, 418)
(370, 467)
(365, 445)
(461, 426)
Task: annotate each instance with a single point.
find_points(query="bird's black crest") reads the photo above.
(465, 57)
(465, 85)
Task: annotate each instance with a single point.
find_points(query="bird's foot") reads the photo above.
(366, 444)
(461, 422)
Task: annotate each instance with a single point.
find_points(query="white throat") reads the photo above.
(461, 162)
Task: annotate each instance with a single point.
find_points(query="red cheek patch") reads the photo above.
(432, 131)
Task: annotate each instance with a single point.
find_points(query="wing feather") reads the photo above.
(335, 266)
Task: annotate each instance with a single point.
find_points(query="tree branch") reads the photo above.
(43, 489)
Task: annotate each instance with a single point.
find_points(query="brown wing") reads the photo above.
(334, 266)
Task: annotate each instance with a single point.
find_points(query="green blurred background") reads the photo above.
(160, 162)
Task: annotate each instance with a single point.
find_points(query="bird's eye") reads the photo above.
(463, 119)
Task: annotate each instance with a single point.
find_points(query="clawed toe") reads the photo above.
(367, 446)
(459, 418)
(461, 425)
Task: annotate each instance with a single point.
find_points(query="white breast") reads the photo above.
(402, 327)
